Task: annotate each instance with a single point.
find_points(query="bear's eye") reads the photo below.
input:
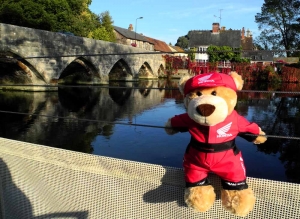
(198, 93)
(214, 93)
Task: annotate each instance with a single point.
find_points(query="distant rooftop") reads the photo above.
(259, 55)
(217, 36)
(129, 34)
(159, 45)
(177, 48)
(229, 37)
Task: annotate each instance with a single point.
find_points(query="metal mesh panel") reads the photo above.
(44, 182)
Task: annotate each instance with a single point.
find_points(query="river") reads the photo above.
(125, 120)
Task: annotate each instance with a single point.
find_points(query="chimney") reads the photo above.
(243, 33)
(223, 28)
(130, 27)
(215, 27)
(248, 33)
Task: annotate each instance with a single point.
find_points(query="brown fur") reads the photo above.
(238, 202)
(200, 198)
(227, 94)
(239, 82)
(261, 138)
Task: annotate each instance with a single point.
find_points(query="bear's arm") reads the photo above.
(178, 123)
(250, 127)
(247, 127)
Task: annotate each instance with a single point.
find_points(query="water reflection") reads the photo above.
(78, 99)
(278, 115)
(82, 119)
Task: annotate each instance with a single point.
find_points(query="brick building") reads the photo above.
(130, 37)
(220, 36)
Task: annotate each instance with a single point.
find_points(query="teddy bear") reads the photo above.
(213, 124)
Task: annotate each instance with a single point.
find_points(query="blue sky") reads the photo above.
(167, 20)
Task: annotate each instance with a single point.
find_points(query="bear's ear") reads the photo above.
(182, 82)
(239, 82)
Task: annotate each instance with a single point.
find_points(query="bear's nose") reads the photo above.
(205, 109)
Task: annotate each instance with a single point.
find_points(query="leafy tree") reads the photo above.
(85, 23)
(192, 54)
(105, 29)
(182, 42)
(56, 15)
(100, 33)
(263, 42)
(25, 13)
(279, 22)
(107, 22)
(224, 53)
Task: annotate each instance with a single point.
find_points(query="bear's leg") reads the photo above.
(238, 202)
(200, 198)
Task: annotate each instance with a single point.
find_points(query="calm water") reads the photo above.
(101, 121)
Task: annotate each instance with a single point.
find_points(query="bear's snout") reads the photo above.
(205, 109)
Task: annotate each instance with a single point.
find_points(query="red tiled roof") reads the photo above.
(159, 45)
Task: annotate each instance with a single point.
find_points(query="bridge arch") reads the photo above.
(146, 71)
(161, 71)
(78, 71)
(120, 71)
(25, 73)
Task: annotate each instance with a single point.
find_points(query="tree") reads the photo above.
(279, 21)
(105, 29)
(192, 54)
(107, 22)
(225, 53)
(100, 33)
(182, 42)
(85, 23)
(27, 14)
(58, 15)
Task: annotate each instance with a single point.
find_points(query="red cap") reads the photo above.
(211, 79)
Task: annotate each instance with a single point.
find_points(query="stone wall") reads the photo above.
(46, 54)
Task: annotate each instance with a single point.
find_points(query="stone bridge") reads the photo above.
(48, 58)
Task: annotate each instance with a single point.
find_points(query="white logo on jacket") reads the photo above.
(222, 132)
(204, 79)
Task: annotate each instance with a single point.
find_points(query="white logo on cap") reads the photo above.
(222, 132)
(204, 79)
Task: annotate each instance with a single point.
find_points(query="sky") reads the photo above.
(167, 20)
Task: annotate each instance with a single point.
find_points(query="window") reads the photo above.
(202, 49)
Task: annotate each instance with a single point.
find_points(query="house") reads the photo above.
(202, 39)
(249, 50)
(159, 45)
(130, 37)
(259, 56)
(236, 39)
(178, 51)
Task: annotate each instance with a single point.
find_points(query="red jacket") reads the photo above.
(221, 132)
(227, 164)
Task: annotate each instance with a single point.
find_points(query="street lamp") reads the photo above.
(136, 28)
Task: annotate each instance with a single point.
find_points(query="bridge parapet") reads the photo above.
(47, 54)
